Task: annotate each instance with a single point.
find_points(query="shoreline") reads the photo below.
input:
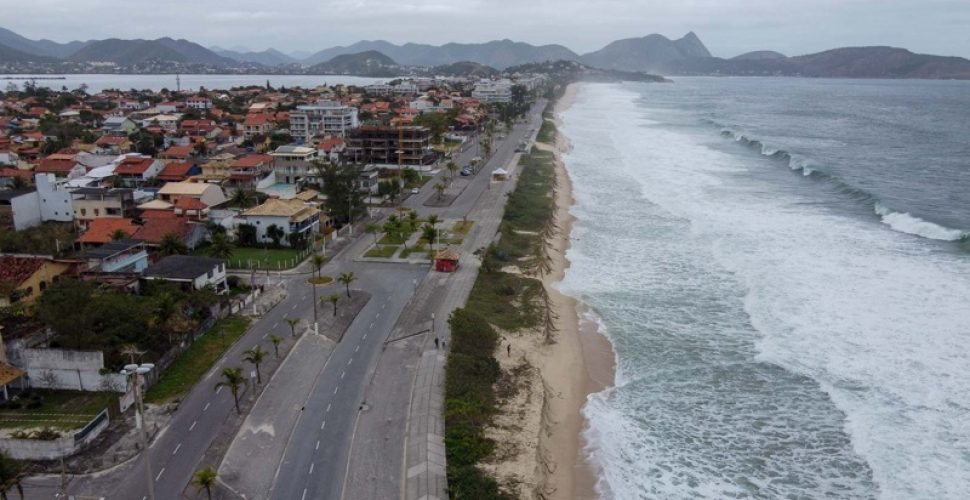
(582, 360)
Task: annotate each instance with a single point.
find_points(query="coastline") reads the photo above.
(581, 362)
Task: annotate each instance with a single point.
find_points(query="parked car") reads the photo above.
(415, 190)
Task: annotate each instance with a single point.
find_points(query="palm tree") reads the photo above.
(452, 168)
(276, 340)
(11, 474)
(205, 479)
(439, 189)
(333, 298)
(221, 247)
(429, 233)
(242, 198)
(434, 220)
(346, 279)
(413, 219)
(255, 356)
(235, 380)
(292, 322)
(318, 261)
(171, 244)
(117, 234)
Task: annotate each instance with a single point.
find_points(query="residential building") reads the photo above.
(136, 170)
(112, 145)
(210, 194)
(118, 125)
(9, 158)
(256, 124)
(154, 230)
(293, 164)
(200, 103)
(54, 198)
(488, 91)
(8, 174)
(249, 170)
(24, 278)
(389, 146)
(61, 165)
(190, 272)
(121, 256)
(292, 216)
(19, 209)
(178, 171)
(102, 231)
(92, 203)
(368, 180)
(324, 118)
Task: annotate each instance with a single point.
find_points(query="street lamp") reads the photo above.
(137, 371)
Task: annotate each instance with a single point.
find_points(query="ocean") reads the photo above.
(98, 82)
(782, 267)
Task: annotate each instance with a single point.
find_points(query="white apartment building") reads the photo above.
(488, 91)
(322, 118)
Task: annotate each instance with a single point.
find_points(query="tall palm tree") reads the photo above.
(434, 220)
(221, 247)
(452, 168)
(243, 198)
(439, 189)
(171, 244)
(276, 340)
(333, 298)
(234, 380)
(117, 234)
(255, 356)
(11, 473)
(429, 233)
(318, 261)
(205, 479)
(346, 279)
(292, 322)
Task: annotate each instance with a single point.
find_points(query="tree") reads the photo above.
(434, 220)
(339, 185)
(255, 356)
(333, 298)
(221, 247)
(118, 234)
(234, 380)
(318, 261)
(18, 182)
(171, 244)
(243, 198)
(11, 474)
(373, 229)
(276, 340)
(275, 233)
(429, 233)
(205, 479)
(486, 143)
(292, 322)
(346, 279)
(452, 168)
(246, 235)
(439, 190)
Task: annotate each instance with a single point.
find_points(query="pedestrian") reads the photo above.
(444, 345)
(436, 342)
(509, 349)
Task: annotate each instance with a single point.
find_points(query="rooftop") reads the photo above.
(182, 267)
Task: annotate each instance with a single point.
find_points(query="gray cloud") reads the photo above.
(728, 27)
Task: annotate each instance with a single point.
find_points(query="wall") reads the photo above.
(65, 369)
(35, 449)
(55, 201)
(26, 211)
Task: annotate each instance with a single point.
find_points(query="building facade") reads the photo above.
(321, 119)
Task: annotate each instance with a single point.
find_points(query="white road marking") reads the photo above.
(193, 425)
(276, 324)
(378, 316)
(355, 350)
(177, 448)
(342, 376)
(311, 469)
(160, 473)
(317, 447)
(219, 389)
(206, 407)
(323, 424)
(383, 306)
(371, 325)
(328, 407)
(294, 306)
(265, 335)
(351, 360)
(304, 494)
(365, 335)
(335, 389)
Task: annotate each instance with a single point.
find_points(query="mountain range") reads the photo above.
(653, 53)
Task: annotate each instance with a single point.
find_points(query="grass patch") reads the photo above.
(65, 410)
(322, 280)
(547, 132)
(381, 251)
(183, 374)
(265, 258)
(462, 227)
(417, 183)
(419, 248)
(508, 301)
(395, 238)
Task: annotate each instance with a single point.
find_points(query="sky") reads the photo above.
(727, 27)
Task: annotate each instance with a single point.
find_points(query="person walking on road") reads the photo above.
(509, 349)
(436, 342)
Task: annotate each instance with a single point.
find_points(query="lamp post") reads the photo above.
(137, 371)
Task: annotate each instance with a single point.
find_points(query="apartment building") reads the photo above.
(320, 119)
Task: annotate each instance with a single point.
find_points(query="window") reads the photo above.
(210, 274)
(84, 211)
(97, 212)
(43, 286)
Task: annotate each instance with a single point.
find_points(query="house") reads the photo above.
(256, 124)
(55, 198)
(167, 122)
(101, 231)
(61, 165)
(120, 256)
(190, 272)
(136, 170)
(210, 194)
(200, 128)
(112, 145)
(170, 107)
(200, 103)
(331, 148)
(323, 118)
(19, 209)
(293, 164)
(368, 180)
(178, 171)
(92, 203)
(191, 208)
(154, 230)
(389, 146)
(8, 157)
(293, 216)
(177, 153)
(24, 278)
(8, 174)
(118, 125)
(250, 170)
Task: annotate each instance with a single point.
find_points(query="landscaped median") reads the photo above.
(189, 368)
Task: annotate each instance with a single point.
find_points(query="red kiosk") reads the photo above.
(446, 261)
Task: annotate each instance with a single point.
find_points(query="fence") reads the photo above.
(38, 449)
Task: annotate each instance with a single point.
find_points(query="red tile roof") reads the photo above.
(158, 214)
(55, 164)
(330, 143)
(256, 120)
(155, 229)
(177, 152)
(252, 161)
(134, 166)
(189, 203)
(175, 171)
(110, 140)
(15, 270)
(100, 231)
(16, 172)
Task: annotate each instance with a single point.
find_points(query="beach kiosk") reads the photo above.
(446, 261)
(500, 174)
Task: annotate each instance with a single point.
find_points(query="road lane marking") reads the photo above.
(323, 424)
(177, 448)
(365, 335)
(265, 335)
(219, 389)
(341, 377)
(383, 306)
(328, 407)
(159, 473)
(351, 360)
(356, 349)
(378, 316)
(371, 325)
(335, 389)
(276, 324)
(193, 425)
(311, 469)
(317, 447)
(206, 407)
(304, 494)
(294, 306)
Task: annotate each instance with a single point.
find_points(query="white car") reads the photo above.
(415, 190)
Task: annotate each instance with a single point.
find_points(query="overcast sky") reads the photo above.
(727, 27)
